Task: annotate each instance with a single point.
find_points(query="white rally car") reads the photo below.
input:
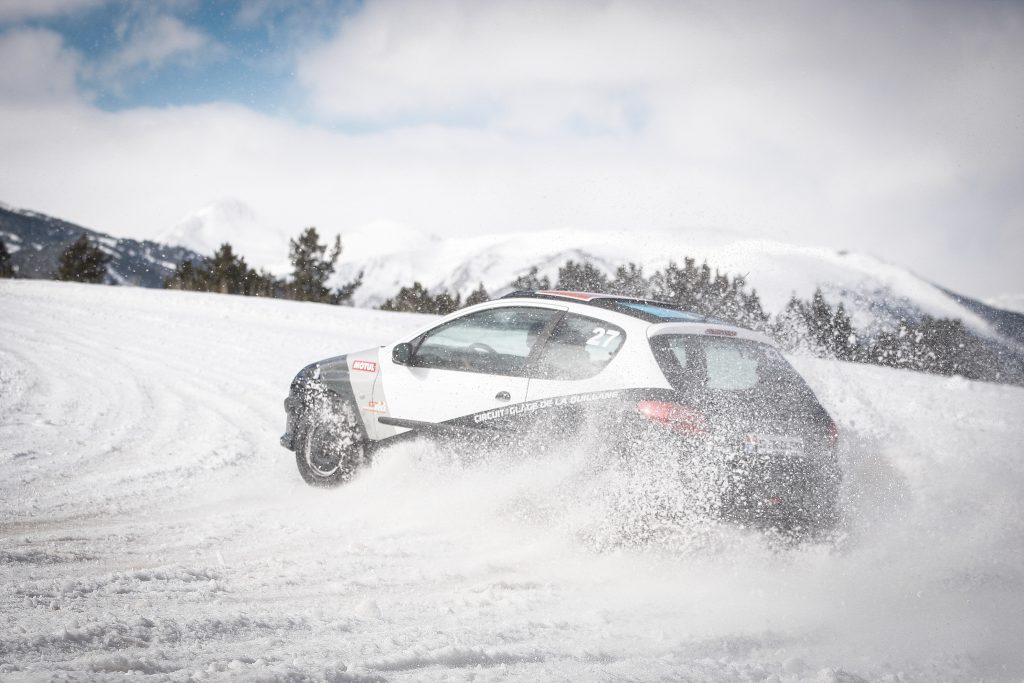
(534, 366)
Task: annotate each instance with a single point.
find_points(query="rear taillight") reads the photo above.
(832, 434)
(675, 416)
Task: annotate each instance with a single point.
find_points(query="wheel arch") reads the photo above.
(324, 385)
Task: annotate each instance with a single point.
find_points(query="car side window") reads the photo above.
(496, 341)
(578, 348)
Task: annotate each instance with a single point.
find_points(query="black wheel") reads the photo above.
(330, 447)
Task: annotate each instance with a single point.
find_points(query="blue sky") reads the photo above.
(888, 127)
(247, 54)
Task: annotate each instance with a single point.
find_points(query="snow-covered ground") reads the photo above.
(150, 523)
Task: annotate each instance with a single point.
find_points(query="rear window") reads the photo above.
(662, 313)
(693, 363)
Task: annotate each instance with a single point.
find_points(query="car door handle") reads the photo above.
(503, 396)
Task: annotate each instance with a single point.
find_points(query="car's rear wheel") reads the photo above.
(330, 447)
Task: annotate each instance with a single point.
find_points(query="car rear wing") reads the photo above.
(710, 330)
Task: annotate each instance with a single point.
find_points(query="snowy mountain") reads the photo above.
(236, 223)
(154, 529)
(36, 242)
(1007, 302)
(875, 292)
(392, 255)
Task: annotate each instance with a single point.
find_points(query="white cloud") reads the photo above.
(138, 172)
(802, 114)
(152, 43)
(449, 58)
(405, 58)
(37, 68)
(876, 126)
(20, 10)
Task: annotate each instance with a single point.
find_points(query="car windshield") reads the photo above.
(719, 365)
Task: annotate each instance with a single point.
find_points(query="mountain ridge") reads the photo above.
(876, 294)
(391, 255)
(36, 242)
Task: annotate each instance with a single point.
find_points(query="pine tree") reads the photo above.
(668, 285)
(701, 289)
(265, 284)
(581, 277)
(752, 314)
(478, 296)
(938, 345)
(414, 299)
(82, 262)
(186, 276)
(311, 266)
(844, 338)
(227, 272)
(790, 327)
(721, 300)
(687, 287)
(697, 290)
(531, 282)
(629, 280)
(6, 269)
(343, 295)
(819, 323)
(445, 303)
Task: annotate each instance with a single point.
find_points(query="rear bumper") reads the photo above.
(784, 497)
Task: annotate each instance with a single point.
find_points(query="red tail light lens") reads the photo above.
(675, 416)
(832, 434)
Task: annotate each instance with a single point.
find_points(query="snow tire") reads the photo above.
(330, 447)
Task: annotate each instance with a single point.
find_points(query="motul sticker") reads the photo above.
(364, 365)
(376, 407)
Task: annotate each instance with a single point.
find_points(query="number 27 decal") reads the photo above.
(602, 337)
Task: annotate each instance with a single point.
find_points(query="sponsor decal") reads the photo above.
(364, 365)
(376, 407)
(720, 333)
(542, 403)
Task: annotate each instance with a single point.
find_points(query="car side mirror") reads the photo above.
(401, 354)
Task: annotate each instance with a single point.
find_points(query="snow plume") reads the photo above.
(927, 568)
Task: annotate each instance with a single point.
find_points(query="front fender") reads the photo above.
(324, 385)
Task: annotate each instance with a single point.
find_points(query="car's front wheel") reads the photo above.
(330, 447)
